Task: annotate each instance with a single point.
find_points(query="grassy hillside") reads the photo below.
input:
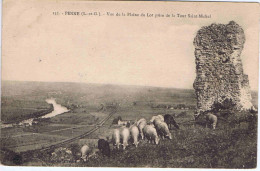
(193, 146)
(232, 145)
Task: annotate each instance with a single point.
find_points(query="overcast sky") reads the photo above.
(38, 46)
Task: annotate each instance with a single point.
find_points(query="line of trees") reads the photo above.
(178, 106)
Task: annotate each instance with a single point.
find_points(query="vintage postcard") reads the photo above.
(129, 84)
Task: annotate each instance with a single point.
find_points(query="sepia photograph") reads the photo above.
(129, 84)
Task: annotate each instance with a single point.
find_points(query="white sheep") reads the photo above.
(211, 119)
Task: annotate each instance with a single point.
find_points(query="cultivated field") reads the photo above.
(231, 145)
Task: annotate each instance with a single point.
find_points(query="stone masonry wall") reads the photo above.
(219, 67)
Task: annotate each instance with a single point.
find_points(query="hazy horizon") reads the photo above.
(94, 83)
(104, 84)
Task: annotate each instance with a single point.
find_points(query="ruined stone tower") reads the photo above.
(219, 67)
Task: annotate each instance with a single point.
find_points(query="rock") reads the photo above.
(219, 67)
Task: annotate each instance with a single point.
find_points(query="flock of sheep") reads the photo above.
(153, 130)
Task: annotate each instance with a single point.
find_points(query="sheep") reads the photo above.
(125, 135)
(170, 121)
(151, 134)
(140, 120)
(162, 128)
(103, 147)
(85, 151)
(161, 117)
(211, 120)
(141, 124)
(157, 117)
(134, 131)
(116, 138)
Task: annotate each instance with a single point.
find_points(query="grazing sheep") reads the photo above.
(161, 117)
(211, 120)
(141, 126)
(125, 136)
(140, 120)
(156, 121)
(157, 117)
(162, 129)
(151, 134)
(134, 131)
(103, 147)
(85, 151)
(170, 121)
(116, 138)
(120, 122)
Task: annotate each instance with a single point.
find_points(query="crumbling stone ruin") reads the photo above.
(219, 69)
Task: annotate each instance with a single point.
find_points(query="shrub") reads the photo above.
(62, 155)
(10, 158)
(227, 104)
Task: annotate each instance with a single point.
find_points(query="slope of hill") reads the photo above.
(231, 145)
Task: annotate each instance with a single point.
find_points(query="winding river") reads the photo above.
(57, 110)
